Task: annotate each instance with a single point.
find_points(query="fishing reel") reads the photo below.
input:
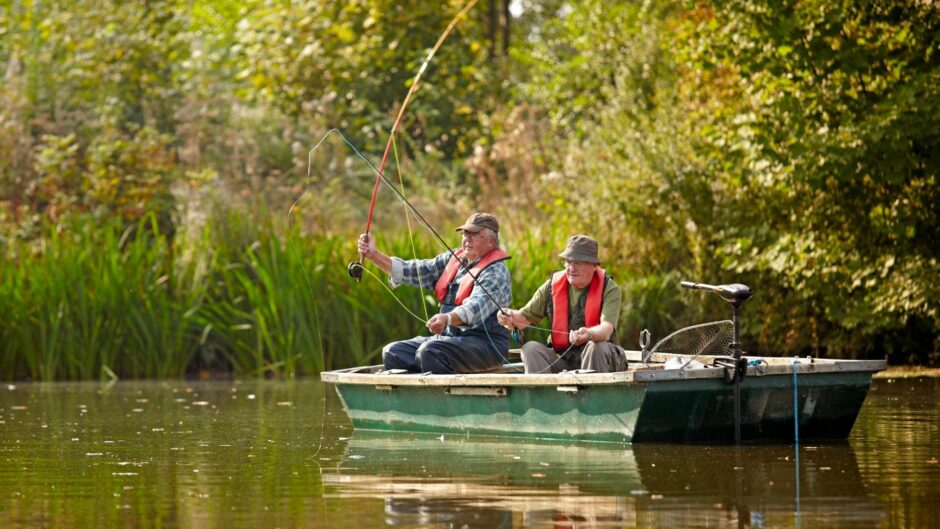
(354, 269)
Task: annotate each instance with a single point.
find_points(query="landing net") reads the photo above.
(712, 338)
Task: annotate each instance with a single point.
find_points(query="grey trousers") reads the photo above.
(603, 357)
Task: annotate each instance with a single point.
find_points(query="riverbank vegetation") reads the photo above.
(164, 210)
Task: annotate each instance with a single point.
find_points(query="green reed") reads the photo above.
(241, 294)
(86, 302)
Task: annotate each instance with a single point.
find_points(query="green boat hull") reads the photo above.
(702, 411)
(653, 406)
(599, 414)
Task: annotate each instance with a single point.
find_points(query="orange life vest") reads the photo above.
(466, 282)
(592, 309)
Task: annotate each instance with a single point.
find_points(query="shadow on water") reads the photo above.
(483, 483)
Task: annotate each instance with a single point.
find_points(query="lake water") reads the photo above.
(257, 454)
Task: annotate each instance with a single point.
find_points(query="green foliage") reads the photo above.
(351, 64)
(117, 176)
(840, 111)
(590, 55)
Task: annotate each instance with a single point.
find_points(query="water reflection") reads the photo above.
(277, 454)
(457, 482)
(480, 484)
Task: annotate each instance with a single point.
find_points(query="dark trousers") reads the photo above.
(447, 354)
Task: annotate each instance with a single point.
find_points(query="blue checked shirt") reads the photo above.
(494, 279)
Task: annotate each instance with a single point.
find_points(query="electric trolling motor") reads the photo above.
(736, 366)
(735, 294)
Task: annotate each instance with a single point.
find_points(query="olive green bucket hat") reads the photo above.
(580, 248)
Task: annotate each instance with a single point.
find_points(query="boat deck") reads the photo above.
(652, 371)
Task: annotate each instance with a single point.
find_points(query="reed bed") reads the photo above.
(236, 296)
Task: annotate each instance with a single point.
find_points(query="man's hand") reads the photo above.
(366, 245)
(506, 318)
(367, 249)
(580, 336)
(437, 323)
(511, 319)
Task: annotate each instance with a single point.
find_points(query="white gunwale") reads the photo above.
(638, 372)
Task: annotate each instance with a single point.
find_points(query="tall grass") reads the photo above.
(238, 295)
(85, 302)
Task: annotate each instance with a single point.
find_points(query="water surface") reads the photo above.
(282, 454)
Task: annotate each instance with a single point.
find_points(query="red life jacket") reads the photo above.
(466, 282)
(592, 310)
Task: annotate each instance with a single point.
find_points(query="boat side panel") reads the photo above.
(702, 411)
(602, 413)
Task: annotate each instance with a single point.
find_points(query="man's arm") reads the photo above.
(421, 273)
(598, 333)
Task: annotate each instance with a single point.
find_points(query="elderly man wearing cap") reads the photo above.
(471, 283)
(583, 305)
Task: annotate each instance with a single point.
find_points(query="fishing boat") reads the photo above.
(679, 391)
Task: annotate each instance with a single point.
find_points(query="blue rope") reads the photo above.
(796, 412)
(796, 440)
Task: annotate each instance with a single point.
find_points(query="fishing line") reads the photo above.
(555, 361)
(411, 237)
(303, 268)
(293, 206)
(316, 313)
(389, 289)
(322, 423)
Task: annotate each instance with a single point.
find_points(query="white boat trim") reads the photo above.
(638, 372)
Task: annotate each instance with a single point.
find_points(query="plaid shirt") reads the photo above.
(494, 279)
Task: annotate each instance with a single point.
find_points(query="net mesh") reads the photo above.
(712, 338)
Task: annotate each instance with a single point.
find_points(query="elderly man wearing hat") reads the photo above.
(583, 305)
(471, 283)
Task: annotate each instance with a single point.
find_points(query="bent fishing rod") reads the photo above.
(355, 271)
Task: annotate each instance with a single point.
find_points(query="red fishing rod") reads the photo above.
(355, 267)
